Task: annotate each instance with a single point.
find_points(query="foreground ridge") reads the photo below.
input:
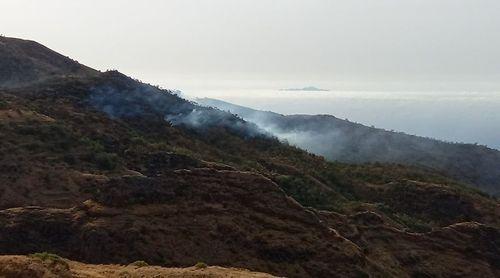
(48, 265)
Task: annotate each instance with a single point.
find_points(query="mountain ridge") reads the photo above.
(348, 142)
(104, 169)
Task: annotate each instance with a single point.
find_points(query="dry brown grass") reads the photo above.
(24, 266)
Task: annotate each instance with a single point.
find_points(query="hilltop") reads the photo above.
(25, 61)
(103, 169)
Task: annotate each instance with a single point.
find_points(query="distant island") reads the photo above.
(306, 89)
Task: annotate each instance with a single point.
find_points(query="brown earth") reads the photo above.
(32, 267)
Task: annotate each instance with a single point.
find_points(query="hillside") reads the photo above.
(104, 169)
(24, 61)
(344, 141)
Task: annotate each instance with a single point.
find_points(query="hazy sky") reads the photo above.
(361, 44)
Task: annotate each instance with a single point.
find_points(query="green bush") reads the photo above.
(413, 224)
(201, 265)
(307, 193)
(139, 264)
(138, 140)
(70, 159)
(44, 256)
(93, 145)
(51, 259)
(106, 161)
(3, 104)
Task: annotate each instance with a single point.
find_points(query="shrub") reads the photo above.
(307, 193)
(3, 104)
(34, 146)
(70, 159)
(139, 264)
(138, 140)
(44, 256)
(51, 259)
(106, 161)
(414, 224)
(93, 145)
(201, 265)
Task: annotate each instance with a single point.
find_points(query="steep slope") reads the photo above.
(104, 169)
(344, 141)
(135, 194)
(454, 251)
(226, 218)
(23, 61)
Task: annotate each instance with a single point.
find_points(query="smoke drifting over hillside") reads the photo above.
(142, 100)
(345, 141)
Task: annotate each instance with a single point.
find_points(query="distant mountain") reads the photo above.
(345, 141)
(306, 89)
(23, 62)
(100, 168)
